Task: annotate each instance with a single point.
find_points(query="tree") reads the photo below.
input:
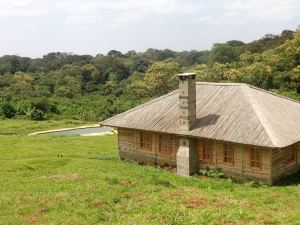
(68, 87)
(202, 72)
(222, 53)
(287, 33)
(217, 72)
(114, 53)
(139, 64)
(90, 77)
(131, 53)
(235, 43)
(258, 74)
(160, 78)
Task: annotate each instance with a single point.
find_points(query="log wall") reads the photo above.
(280, 166)
(130, 148)
(240, 168)
(273, 165)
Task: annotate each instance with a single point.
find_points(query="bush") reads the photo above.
(215, 173)
(254, 184)
(41, 109)
(7, 110)
(298, 88)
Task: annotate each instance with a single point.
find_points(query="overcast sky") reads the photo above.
(36, 27)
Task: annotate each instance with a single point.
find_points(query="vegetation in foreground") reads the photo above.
(52, 179)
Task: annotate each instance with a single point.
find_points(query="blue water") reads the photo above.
(83, 131)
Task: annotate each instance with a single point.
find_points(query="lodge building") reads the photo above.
(249, 133)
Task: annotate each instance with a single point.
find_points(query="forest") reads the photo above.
(64, 85)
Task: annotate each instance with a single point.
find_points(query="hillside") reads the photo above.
(63, 85)
(51, 179)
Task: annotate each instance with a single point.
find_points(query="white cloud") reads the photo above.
(23, 8)
(120, 12)
(240, 12)
(82, 19)
(263, 11)
(203, 19)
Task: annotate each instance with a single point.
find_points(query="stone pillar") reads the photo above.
(187, 100)
(187, 157)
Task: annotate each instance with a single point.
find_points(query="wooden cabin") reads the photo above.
(249, 133)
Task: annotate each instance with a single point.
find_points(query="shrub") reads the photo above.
(255, 184)
(215, 173)
(7, 110)
(40, 109)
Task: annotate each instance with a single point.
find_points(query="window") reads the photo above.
(146, 141)
(228, 153)
(291, 155)
(165, 143)
(255, 157)
(207, 151)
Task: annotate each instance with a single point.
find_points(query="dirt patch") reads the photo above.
(125, 183)
(44, 198)
(43, 209)
(96, 203)
(7, 133)
(171, 193)
(195, 203)
(247, 205)
(62, 196)
(140, 197)
(263, 218)
(31, 219)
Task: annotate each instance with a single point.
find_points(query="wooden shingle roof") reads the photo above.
(231, 112)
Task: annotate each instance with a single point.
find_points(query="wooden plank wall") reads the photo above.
(126, 140)
(129, 148)
(282, 168)
(241, 167)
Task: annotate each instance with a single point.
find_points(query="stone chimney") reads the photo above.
(187, 154)
(187, 100)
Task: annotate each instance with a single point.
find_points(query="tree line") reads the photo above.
(65, 85)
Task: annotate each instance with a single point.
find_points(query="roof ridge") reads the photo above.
(248, 85)
(272, 93)
(259, 113)
(142, 105)
(220, 84)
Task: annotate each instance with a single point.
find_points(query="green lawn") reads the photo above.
(51, 179)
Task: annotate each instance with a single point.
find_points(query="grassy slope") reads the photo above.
(20, 127)
(79, 180)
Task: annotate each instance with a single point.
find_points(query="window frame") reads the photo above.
(204, 156)
(255, 162)
(227, 156)
(168, 144)
(207, 156)
(146, 141)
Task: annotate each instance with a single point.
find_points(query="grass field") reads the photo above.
(52, 179)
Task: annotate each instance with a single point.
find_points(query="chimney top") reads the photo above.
(184, 76)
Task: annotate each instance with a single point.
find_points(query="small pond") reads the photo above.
(83, 131)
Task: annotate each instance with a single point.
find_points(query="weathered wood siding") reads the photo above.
(240, 168)
(280, 166)
(130, 148)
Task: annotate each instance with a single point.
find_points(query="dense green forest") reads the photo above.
(64, 85)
